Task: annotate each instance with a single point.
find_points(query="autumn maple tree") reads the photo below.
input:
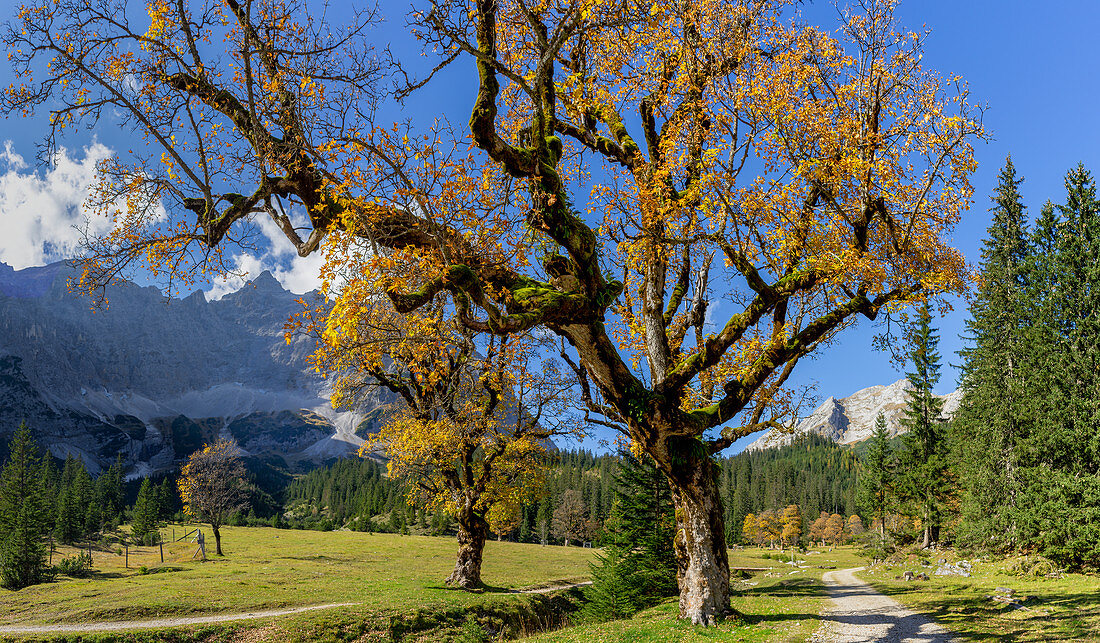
(791, 523)
(212, 485)
(471, 431)
(694, 195)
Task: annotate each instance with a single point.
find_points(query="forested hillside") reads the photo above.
(814, 473)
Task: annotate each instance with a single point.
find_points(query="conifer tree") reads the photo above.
(72, 504)
(164, 498)
(613, 593)
(109, 492)
(638, 567)
(22, 514)
(93, 517)
(990, 423)
(145, 516)
(1061, 472)
(923, 462)
(877, 475)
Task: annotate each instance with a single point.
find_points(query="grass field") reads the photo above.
(1053, 609)
(396, 583)
(784, 604)
(268, 568)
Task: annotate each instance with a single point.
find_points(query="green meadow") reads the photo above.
(387, 576)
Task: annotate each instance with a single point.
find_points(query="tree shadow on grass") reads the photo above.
(98, 575)
(795, 587)
(1053, 616)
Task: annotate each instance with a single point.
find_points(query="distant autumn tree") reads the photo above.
(570, 520)
(817, 527)
(750, 529)
(471, 431)
(791, 524)
(854, 526)
(212, 485)
(633, 165)
(770, 529)
(834, 529)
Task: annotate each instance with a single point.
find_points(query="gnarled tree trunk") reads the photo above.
(217, 539)
(472, 533)
(703, 570)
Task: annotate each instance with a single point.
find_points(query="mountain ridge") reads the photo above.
(154, 378)
(851, 419)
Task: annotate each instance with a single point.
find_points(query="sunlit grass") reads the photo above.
(267, 568)
(1053, 609)
(784, 603)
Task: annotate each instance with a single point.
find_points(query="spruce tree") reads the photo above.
(144, 519)
(69, 525)
(923, 461)
(109, 492)
(992, 419)
(638, 565)
(1060, 469)
(877, 476)
(23, 520)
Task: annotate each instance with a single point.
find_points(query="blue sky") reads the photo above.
(1031, 64)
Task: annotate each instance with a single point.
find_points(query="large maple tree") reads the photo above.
(692, 194)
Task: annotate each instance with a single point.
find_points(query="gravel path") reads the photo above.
(861, 614)
(111, 626)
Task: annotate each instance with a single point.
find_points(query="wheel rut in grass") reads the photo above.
(179, 621)
(860, 614)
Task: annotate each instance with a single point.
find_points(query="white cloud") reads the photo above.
(40, 210)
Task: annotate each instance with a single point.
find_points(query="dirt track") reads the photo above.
(180, 621)
(861, 614)
(111, 626)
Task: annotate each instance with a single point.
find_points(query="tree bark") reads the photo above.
(472, 534)
(703, 570)
(217, 539)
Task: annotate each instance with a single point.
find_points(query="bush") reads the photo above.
(150, 538)
(472, 632)
(77, 566)
(1036, 566)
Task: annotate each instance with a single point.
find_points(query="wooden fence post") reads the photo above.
(162, 551)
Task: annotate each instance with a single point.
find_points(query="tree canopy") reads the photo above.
(212, 485)
(640, 173)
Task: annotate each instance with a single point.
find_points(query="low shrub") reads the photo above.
(1036, 566)
(76, 566)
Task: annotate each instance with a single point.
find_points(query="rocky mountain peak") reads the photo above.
(852, 419)
(266, 282)
(152, 379)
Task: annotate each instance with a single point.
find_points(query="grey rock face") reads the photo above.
(852, 419)
(153, 379)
